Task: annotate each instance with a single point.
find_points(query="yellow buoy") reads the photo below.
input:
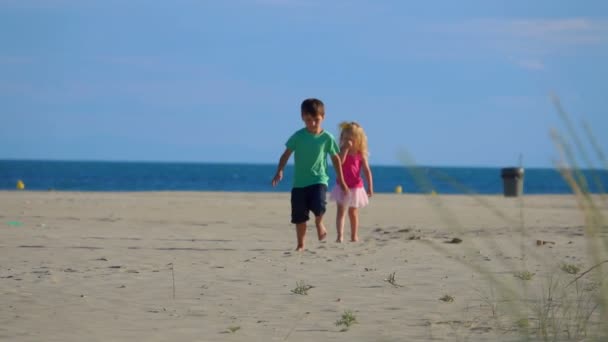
(20, 185)
(398, 189)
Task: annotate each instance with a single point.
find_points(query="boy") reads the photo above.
(311, 146)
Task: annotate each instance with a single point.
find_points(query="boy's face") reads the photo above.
(313, 123)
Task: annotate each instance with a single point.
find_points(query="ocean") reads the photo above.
(170, 176)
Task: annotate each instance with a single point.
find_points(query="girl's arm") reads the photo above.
(368, 176)
(335, 159)
(346, 145)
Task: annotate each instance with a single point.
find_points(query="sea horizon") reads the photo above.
(95, 175)
(274, 163)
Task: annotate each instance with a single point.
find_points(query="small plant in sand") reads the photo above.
(302, 288)
(490, 301)
(348, 318)
(447, 298)
(522, 323)
(524, 275)
(234, 328)
(569, 268)
(391, 280)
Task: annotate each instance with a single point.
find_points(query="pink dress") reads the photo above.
(351, 169)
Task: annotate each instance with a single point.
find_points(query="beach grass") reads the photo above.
(567, 302)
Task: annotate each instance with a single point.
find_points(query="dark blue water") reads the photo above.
(144, 176)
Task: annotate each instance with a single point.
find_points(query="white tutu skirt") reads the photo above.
(356, 198)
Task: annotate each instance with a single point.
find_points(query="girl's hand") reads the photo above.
(370, 193)
(347, 144)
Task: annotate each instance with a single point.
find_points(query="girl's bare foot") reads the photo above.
(354, 239)
(339, 239)
(299, 248)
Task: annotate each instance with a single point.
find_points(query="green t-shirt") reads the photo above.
(310, 156)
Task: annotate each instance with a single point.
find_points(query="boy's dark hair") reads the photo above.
(313, 107)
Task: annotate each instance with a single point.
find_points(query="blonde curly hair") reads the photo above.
(356, 133)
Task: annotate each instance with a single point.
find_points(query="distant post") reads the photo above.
(512, 181)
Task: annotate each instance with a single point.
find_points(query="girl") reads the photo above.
(353, 155)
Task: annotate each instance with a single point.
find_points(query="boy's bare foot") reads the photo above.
(299, 248)
(321, 231)
(339, 239)
(355, 239)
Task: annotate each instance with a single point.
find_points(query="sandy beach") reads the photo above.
(202, 266)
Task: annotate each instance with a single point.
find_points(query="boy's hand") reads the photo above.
(277, 178)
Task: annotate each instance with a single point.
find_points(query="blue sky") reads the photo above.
(453, 83)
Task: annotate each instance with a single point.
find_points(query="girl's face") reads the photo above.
(345, 136)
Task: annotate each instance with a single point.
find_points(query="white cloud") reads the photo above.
(544, 34)
(134, 61)
(531, 64)
(32, 4)
(286, 3)
(525, 42)
(522, 42)
(12, 60)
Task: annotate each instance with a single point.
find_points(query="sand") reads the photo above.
(192, 266)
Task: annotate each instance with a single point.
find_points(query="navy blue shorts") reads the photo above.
(309, 198)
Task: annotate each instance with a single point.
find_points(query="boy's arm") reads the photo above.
(335, 159)
(282, 162)
(368, 176)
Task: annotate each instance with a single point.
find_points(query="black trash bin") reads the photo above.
(512, 181)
